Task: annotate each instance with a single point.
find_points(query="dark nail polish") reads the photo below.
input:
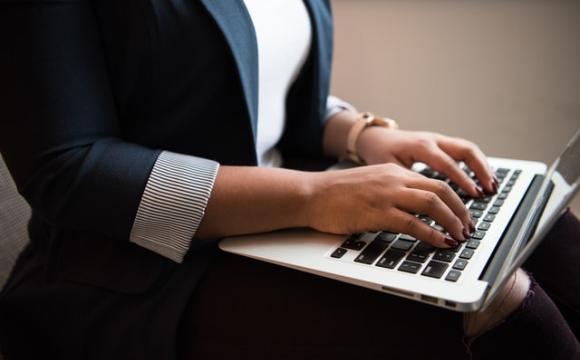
(471, 228)
(449, 241)
(495, 180)
(479, 191)
(495, 188)
(466, 233)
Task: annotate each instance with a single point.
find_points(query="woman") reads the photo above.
(134, 129)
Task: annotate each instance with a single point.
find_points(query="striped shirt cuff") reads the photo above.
(335, 105)
(173, 204)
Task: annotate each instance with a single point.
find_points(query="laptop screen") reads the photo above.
(563, 175)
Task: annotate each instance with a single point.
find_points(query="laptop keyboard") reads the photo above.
(401, 252)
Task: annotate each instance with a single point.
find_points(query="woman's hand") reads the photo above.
(381, 197)
(378, 145)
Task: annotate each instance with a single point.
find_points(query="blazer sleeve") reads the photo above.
(60, 137)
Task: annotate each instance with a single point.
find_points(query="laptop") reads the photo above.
(510, 225)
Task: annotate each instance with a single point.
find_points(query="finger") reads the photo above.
(449, 197)
(470, 153)
(402, 222)
(426, 202)
(443, 163)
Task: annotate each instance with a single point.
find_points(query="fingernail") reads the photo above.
(471, 227)
(466, 233)
(479, 191)
(495, 180)
(495, 188)
(449, 241)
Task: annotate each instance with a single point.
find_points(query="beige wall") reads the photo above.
(505, 74)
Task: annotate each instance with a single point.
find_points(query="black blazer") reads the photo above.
(90, 93)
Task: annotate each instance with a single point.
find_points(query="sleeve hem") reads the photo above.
(173, 204)
(335, 105)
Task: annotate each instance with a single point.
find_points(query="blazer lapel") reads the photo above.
(322, 47)
(235, 23)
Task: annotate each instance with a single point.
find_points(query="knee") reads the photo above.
(505, 303)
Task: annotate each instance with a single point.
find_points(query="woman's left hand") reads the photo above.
(378, 145)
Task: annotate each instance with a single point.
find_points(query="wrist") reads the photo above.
(308, 187)
(314, 184)
(364, 122)
(369, 144)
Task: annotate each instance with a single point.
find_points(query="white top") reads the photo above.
(284, 36)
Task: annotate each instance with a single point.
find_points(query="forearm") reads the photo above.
(336, 133)
(251, 199)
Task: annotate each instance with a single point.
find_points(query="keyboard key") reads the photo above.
(391, 259)
(489, 218)
(424, 247)
(511, 182)
(359, 245)
(407, 238)
(438, 227)
(454, 249)
(503, 171)
(348, 243)
(466, 254)
(517, 172)
(471, 244)
(402, 245)
(478, 235)
(460, 264)
(498, 203)
(506, 189)
(444, 255)
(427, 172)
(485, 199)
(418, 256)
(502, 196)
(494, 210)
(435, 269)
(386, 236)
(353, 243)
(478, 206)
(426, 219)
(476, 214)
(410, 267)
(372, 252)
(483, 226)
(453, 275)
(338, 253)
(439, 176)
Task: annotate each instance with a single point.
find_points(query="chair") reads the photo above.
(14, 215)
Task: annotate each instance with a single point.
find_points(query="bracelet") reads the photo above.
(365, 120)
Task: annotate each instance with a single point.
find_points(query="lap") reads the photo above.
(245, 308)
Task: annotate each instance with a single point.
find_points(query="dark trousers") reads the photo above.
(249, 309)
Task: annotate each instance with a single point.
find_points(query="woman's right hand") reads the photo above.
(382, 197)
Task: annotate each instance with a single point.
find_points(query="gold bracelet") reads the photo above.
(365, 120)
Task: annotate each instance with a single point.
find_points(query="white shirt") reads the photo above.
(284, 36)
